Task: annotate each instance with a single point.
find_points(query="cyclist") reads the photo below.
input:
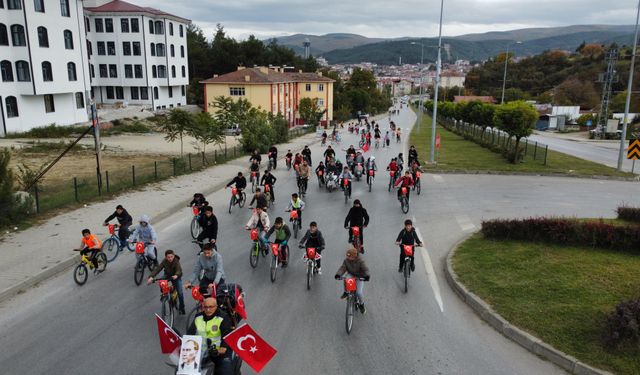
(198, 200)
(387, 140)
(288, 156)
(209, 264)
(415, 168)
(260, 220)
(405, 181)
(376, 134)
(398, 134)
(209, 224)
(296, 204)
(393, 165)
(213, 324)
(370, 165)
(351, 151)
(172, 271)
(400, 161)
(329, 153)
(368, 138)
(354, 266)
(259, 199)
(269, 179)
(273, 155)
(297, 160)
(324, 137)
(346, 174)
(357, 217)
(304, 172)
(313, 238)
(407, 236)
(320, 168)
(241, 183)
(90, 244)
(255, 168)
(256, 156)
(413, 154)
(144, 232)
(124, 220)
(306, 153)
(283, 233)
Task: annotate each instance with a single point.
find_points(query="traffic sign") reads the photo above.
(438, 141)
(633, 151)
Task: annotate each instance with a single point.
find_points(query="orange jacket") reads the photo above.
(92, 241)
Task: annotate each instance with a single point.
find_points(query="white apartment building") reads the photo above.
(44, 77)
(137, 55)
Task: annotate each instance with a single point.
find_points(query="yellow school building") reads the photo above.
(273, 89)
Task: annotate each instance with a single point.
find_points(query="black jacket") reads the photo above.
(198, 199)
(241, 182)
(306, 151)
(124, 219)
(274, 152)
(261, 201)
(329, 152)
(269, 179)
(408, 238)
(209, 226)
(357, 216)
(225, 326)
(413, 154)
(257, 157)
(313, 240)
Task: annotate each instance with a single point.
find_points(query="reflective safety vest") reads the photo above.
(92, 242)
(209, 330)
(296, 204)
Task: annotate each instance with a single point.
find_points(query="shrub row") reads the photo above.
(629, 213)
(567, 232)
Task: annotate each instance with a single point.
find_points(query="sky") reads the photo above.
(389, 19)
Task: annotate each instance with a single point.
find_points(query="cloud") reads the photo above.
(384, 18)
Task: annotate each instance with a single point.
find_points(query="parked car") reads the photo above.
(233, 130)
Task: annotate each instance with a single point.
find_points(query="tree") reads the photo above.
(576, 92)
(176, 125)
(207, 130)
(310, 111)
(280, 128)
(482, 115)
(11, 206)
(516, 119)
(257, 132)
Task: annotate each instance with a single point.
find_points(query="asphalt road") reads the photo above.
(108, 325)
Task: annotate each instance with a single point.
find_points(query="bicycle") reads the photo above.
(288, 160)
(311, 257)
(372, 175)
(302, 186)
(113, 245)
(195, 225)
(416, 185)
(234, 198)
(377, 143)
(404, 200)
(320, 176)
(168, 300)
(279, 256)
(350, 287)
(223, 296)
(406, 270)
(143, 261)
(392, 175)
(345, 186)
(256, 247)
(358, 170)
(362, 143)
(254, 181)
(81, 272)
(294, 219)
(355, 238)
(272, 163)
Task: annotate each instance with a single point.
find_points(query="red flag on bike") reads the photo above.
(169, 340)
(246, 343)
(239, 309)
(365, 148)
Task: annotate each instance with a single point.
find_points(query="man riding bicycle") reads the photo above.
(90, 244)
(209, 264)
(268, 179)
(413, 154)
(407, 236)
(304, 172)
(370, 165)
(213, 324)
(313, 238)
(306, 153)
(329, 153)
(240, 183)
(283, 233)
(256, 156)
(255, 169)
(357, 217)
(259, 199)
(296, 204)
(346, 175)
(172, 271)
(209, 224)
(124, 220)
(144, 232)
(273, 155)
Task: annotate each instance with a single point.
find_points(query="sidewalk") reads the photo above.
(38, 253)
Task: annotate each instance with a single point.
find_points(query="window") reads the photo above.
(79, 100)
(119, 92)
(160, 51)
(173, 51)
(6, 70)
(110, 92)
(184, 71)
(103, 71)
(92, 71)
(321, 87)
(124, 25)
(155, 93)
(64, 11)
(99, 25)
(181, 31)
(49, 105)
(151, 27)
(4, 36)
(170, 28)
(128, 71)
(43, 37)
(170, 92)
(320, 102)
(71, 71)
(113, 71)
(101, 50)
(181, 51)
(236, 91)
(144, 93)
(153, 49)
(22, 71)
(135, 26)
(126, 48)
(89, 48)
(135, 93)
(138, 70)
(183, 90)
(12, 106)
(47, 73)
(136, 49)
(111, 48)
(154, 71)
(68, 39)
(38, 5)
(108, 25)
(14, 4)
(162, 71)
(159, 27)
(307, 87)
(173, 71)
(87, 25)
(17, 35)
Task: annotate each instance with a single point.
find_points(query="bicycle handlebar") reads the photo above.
(358, 278)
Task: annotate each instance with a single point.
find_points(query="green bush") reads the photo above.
(11, 206)
(623, 325)
(49, 131)
(629, 213)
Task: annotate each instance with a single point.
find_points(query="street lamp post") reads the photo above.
(623, 136)
(504, 77)
(435, 94)
(421, 105)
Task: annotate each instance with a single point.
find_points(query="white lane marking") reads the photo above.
(428, 266)
(465, 223)
(438, 178)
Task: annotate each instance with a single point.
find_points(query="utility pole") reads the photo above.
(96, 136)
(623, 136)
(607, 79)
(435, 94)
(421, 104)
(504, 77)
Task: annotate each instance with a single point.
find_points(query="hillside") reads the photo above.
(324, 43)
(546, 32)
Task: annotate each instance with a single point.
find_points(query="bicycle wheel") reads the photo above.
(349, 313)
(253, 185)
(195, 227)
(111, 247)
(346, 196)
(232, 201)
(192, 315)
(80, 274)
(295, 229)
(131, 246)
(167, 313)
(150, 263)
(101, 258)
(404, 204)
(370, 183)
(244, 199)
(309, 274)
(274, 268)
(138, 272)
(254, 254)
(418, 187)
(406, 272)
(390, 183)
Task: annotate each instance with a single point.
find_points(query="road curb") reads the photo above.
(515, 334)
(65, 264)
(508, 173)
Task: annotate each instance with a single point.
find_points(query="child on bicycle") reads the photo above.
(354, 266)
(407, 236)
(90, 245)
(144, 232)
(172, 271)
(296, 204)
(283, 233)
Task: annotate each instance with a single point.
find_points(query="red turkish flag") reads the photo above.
(365, 148)
(246, 343)
(169, 340)
(240, 304)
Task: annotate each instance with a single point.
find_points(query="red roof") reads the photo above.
(117, 6)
